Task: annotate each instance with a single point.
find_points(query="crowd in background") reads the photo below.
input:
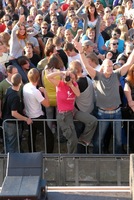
(68, 60)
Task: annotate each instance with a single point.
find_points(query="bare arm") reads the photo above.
(75, 89)
(128, 64)
(91, 71)
(127, 91)
(45, 101)
(21, 117)
(52, 79)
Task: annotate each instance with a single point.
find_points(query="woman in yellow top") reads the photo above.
(54, 64)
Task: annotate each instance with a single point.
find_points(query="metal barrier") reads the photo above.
(60, 148)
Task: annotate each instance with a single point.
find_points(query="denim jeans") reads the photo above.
(50, 114)
(11, 137)
(102, 131)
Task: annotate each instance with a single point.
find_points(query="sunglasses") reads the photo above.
(29, 21)
(115, 43)
(44, 27)
(71, 15)
(40, 19)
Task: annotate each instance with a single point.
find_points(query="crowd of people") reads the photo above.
(72, 62)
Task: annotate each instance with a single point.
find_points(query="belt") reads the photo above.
(109, 111)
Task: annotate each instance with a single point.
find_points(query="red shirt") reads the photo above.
(65, 97)
(2, 28)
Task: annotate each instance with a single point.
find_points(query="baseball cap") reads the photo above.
(87, 43)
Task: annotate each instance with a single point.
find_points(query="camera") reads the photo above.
(67, 78)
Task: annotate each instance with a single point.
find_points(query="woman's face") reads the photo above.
(91, 9)
(91, 35)
(22, 30)
(123, 20)
(62, 30)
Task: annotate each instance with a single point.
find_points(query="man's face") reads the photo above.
(108, 67)
(44, 29)
(6, 19)
(69, 53)
(53, 9)
(30, 21)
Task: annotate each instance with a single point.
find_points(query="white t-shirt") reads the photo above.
(78, 58)
(32, 101)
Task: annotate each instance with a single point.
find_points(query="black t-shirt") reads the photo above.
(35, 59)
(60, 18)
(63, 56)
(48, 35)
(115, 55)
(82, 83)
(12, 103)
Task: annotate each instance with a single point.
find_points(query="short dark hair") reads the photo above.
(22, 60)
(10, 68)
(68, 46)
(117, 30)
(16, 79)
(49, 49)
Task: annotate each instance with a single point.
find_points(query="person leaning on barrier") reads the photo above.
(12, 109)
(4, 85)
(84, 105)
(108, 97)
(66, 92)
(34, 99)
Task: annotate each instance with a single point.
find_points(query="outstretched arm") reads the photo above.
(127, 65)
(91, 71)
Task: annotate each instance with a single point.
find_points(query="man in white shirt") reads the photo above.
(34, 99)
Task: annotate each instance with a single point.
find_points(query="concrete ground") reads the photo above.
(88, 196)
(89, 193)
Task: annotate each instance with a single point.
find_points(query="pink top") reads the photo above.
(65, 97)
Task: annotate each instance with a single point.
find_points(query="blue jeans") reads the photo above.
(102, 131)
(11, 137)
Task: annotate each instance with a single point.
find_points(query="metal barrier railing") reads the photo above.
(60, 148)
